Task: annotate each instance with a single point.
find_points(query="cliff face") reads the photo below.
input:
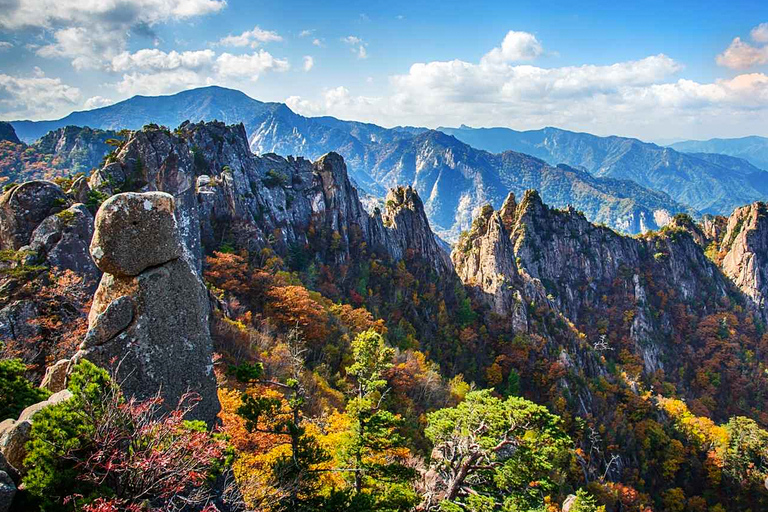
(76, 149)
(743, 252)
(584, 271)
(8, 133)
(485, 261)
(225, 194)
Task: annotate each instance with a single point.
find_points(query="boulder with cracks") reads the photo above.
(149, 318)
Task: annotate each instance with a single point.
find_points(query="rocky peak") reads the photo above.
(558, 258)
(484, 260)
(223, 192)
(744, 252)
(713, 226)
(8, 133)
(407, 229)
(23, 207)
(684, 222)
(508, 211)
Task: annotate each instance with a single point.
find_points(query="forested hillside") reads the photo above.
(349, 363)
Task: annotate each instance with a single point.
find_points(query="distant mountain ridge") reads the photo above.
(454, 178)
(708, 184)
(753, 149)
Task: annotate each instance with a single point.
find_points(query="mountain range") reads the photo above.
(629, 185)
(713, 185)
(753, 149)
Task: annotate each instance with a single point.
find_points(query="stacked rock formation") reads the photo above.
(149, 318)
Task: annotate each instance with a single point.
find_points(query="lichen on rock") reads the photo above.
(149, 318)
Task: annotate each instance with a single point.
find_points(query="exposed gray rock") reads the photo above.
(6, 467)
(529, 252)
(222, 192)
(15, 320)
(485, 261)
(152, 328)
(745, 252)
(408, 229)
(7, 491)
(80, 190)
(134, 232)
(62, 240)
(110, 322)
(23, 207)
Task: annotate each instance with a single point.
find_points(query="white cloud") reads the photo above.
(32, 96)
(642, 98)
(153, 59)
(249, 66)
(52, 13)
(742, 55)
(338, 99)
(96, 102)
(152, 71)
(86, 47)
(252, 38)
(317, 42)
(90, 32)
(760, 33)
(5, 45)
(515, 47)
(162, 82)
(309, 62)
(358, 46)
(306, 33)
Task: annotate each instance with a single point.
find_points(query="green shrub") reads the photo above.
(67, 217)
(16, 392)
(61, 430)
(95, 198)
(17, 268)
(275, 178)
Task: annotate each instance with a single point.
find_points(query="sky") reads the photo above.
(656, 70)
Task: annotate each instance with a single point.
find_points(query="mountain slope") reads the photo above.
(454, 179)
(753, 149)
(7, 133)
(59, 153)
(706, 184)
(272, 127)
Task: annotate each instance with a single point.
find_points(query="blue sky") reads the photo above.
(655, 70)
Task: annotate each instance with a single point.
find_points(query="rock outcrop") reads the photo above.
(485, 261)
(7, 491)
(149, 318)
(223, 192)
(62, 241)
(558, 258)
(8, 133)
(744, 252)
(407, 229)
(23, 207)
(36, 217)
(134, 232)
